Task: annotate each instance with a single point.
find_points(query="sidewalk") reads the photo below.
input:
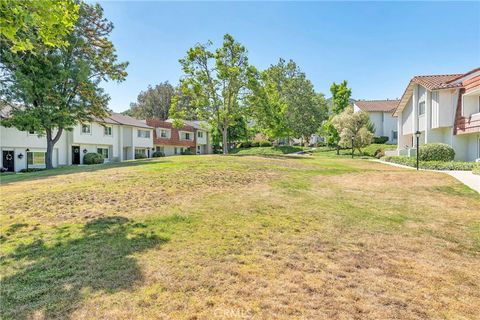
(466, 177)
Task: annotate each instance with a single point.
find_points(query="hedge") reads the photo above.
(436, 152)
(140, 156)
(431, 165)
(380, 140)
(158, 154)
(93, 158)
(476, 168)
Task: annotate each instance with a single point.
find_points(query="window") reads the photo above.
(164, 133)
(200, 134)
(175, 150)
(185, 136)
(478, 109)
(143, 133)
(36, 158)
(86, 129)
(32, 132)
(421, 108)
(394, 135)
(107, 131)
(103, 152)
(159, 149)
(141, 151)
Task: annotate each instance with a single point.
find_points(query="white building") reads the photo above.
(443, 108)
(116, 137)
(381, 115)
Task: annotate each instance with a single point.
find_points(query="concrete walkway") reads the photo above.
(466, 177)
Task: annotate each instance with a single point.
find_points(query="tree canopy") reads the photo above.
(214, 82)
(52, 89)
(353, 125)
(29, 23)
(283, 102)
(153, 103)
(340, 96)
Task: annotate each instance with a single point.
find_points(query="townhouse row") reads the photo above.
(441, 108)
(117, 137)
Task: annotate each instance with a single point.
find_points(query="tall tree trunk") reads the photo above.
(224, 140)
(50, 143)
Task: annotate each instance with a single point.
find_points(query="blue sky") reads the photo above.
(376, 46)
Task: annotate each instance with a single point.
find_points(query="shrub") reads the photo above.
(187, 152)
(436, 152)
(140, 156)
(255, 143)
(264, 144)
(92, 158)
(158, 154)
(476, 168)
(431, 165)
(377, 150)
(380, 140)
(32, 169)
(245, 144)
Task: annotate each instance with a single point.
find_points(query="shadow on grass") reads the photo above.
(54, 279)
(9, 178)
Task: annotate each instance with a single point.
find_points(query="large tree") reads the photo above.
(153, 103)
(50, 90)
(29, 23)
(214, 82)
(283, 102)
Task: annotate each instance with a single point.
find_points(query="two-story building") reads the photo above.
(193, 136)
(116, 137)
(443, 108)
(381, 115)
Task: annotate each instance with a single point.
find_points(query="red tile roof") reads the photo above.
(174, 139)
(440, 81)
(377, 105)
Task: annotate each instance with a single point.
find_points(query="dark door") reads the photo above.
(75, 155)
(9, 160)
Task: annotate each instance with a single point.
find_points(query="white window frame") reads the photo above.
(420, 103)
(200, 134)
(167, 133)
(89, 126)
(143, 133)
(183, 135)
(41, 163)
(106, 129)
(104, 148)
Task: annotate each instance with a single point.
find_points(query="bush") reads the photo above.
(431, 165)
(245, 144)
(436, 152)
(92, 158)
(377, 150)
(140, 156)
(380, 140)
(158, 154)
(476, 168)
(33, 169)
(187, 152)
(264, 144)
(255, 144)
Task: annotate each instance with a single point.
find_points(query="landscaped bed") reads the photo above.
(431, 165)
(214, 237)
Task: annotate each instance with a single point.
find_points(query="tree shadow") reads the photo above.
(54, 279)
(73, 169)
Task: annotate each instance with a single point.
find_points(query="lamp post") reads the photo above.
(353, 139)
(26, 152)
(417, 135)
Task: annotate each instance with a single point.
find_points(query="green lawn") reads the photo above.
(228, 237)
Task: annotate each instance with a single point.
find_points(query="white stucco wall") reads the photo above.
(18, 141)
(407, 118)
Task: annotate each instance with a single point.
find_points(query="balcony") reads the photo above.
(469, 124)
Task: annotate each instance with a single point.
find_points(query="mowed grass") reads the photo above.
(228, 237)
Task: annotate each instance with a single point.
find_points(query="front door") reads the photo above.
(75, 155)
(9, 160)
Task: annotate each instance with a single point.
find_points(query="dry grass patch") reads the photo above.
(243, 238)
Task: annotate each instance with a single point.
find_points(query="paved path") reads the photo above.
(466, 177)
